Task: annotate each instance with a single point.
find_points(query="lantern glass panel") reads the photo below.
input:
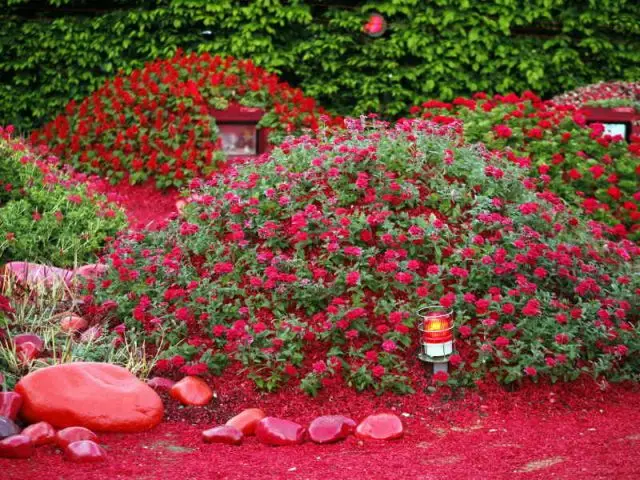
(239, 139)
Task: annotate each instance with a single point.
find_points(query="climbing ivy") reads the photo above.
(55, 50)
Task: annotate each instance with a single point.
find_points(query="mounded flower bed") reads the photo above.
(577, 161)
(309, 265)
(49, 214)
(157, 122)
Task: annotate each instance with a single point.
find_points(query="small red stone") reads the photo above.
(8, 428)
(192, 391)
(161, 383)
(41, 433)
(84, 451)
(36, 340)
(382, 426)
(73, 323)
(277, 432)
(74, 434)
(247, 420)
(223, 434)
(17, 446)
(10, 403)
(26, 352)
(331, 428)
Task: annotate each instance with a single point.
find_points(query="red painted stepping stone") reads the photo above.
(41, 433)
(10, 403)
(331, 428)
(279, 432)
(17, 446)
(192, 391)
(69, 435)
(382, 426)
(91, 271)
(8, 428)
(161, 383)
(85, 451)
(247, 420)
(223, 434)
(26, 352)
(98, 396)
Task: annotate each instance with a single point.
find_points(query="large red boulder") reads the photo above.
(84, 451)
(10, 403)
(278, 432)
(98, 396)
(247, 420)
(223, 434)
(382, 426)
(192, 391)
(17, 446)
(331, 428)
(41, 433)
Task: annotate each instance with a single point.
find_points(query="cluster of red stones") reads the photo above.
(280, 432)
(79, 444)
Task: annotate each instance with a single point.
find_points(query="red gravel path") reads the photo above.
(569, 431)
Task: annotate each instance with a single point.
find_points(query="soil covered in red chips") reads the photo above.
(144, 204)
(578, 430)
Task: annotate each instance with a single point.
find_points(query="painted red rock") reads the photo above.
(34, 275)
(161, 383)
(192, 391)
(98, 396)
(27, 352)
(278, 432)
(223, 434)
(17, 446)
(69, 435)
(331, 428)
(36, 340)
(8, 428)
(91, 271)
(247, 420)
(41, 433)
(382, 426)
(84, 451)
(73, 323)
(10, 403)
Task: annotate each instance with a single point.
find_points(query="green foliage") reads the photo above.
(44, 217)
(431, 49)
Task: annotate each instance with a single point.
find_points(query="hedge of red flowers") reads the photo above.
(577, 161)
(309, 266)
(157, 121)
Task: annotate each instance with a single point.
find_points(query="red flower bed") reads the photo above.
(157, 122)
(577, 161)
(308, 266)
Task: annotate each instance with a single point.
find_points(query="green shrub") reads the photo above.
(45, 216)
(311, 265)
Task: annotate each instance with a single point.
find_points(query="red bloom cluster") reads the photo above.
(585, 166)
(157, 122)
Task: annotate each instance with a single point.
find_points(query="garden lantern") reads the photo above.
(436, 329)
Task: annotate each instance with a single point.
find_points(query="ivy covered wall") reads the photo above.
(55, 50)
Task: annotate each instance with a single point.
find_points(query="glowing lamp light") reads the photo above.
(376, 25)
(437, 336)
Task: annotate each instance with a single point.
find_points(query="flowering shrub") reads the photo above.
(576, 161)
(602, 93)
(309, 265)
(158, 121)
(47, 214)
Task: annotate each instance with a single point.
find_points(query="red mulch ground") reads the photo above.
(580, 430)
(562, 431)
